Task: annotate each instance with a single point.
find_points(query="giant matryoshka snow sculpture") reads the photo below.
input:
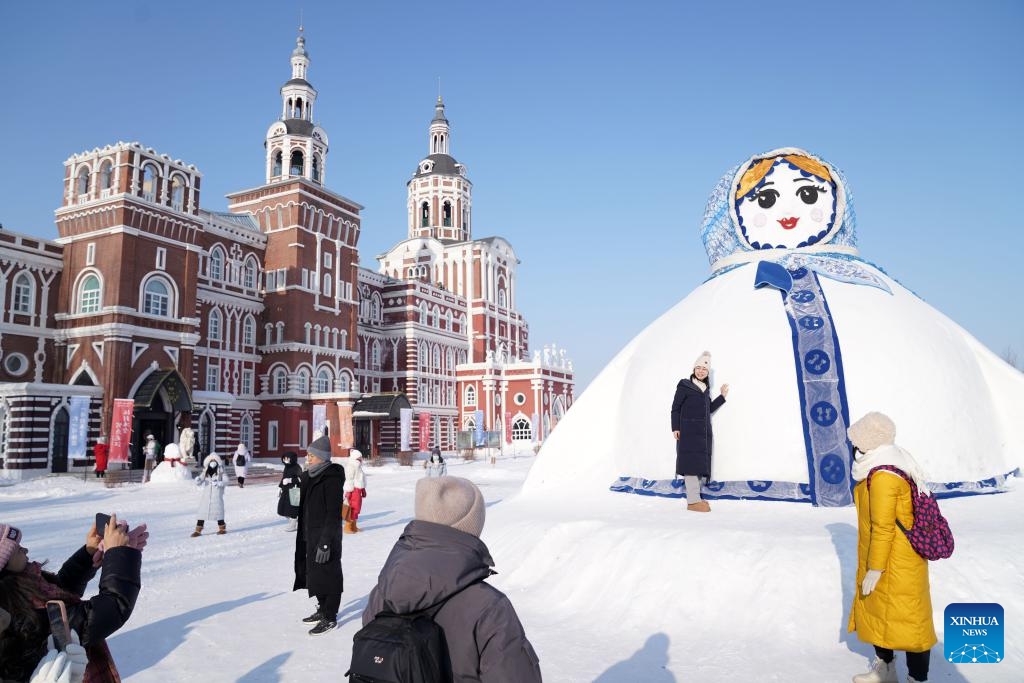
(808, 334)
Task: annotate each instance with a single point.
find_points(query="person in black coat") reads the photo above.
(289, 481)
(691, 426)
(25, 587)
(318, 543)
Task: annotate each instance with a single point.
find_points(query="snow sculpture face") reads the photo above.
(785, 202)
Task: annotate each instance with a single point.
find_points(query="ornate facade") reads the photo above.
(258, 325)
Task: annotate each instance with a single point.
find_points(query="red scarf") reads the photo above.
(101, 667)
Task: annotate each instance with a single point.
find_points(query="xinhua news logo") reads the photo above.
(974, 633)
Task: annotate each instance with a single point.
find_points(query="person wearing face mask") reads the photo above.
(318, 541)
(691, 426)
(211, 482)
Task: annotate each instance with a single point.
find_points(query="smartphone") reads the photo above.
(102, 521)
(58, 616)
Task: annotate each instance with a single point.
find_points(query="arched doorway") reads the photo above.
(158, 400)
(59, 440)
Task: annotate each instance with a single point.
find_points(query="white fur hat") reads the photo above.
(703, 361)
(871, 431)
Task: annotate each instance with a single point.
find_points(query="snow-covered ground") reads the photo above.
(611, 587)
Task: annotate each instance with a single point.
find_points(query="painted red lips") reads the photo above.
(788, 223)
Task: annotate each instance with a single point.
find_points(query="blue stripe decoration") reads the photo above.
(823, 404)
(786, 490)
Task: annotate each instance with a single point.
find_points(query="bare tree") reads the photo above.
(1010, 356)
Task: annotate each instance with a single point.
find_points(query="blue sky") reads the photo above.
(593, 132)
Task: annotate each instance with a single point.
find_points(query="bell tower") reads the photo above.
(296, 146)
(440, 194)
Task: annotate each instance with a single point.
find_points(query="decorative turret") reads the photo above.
(297, 147)
(440, 209)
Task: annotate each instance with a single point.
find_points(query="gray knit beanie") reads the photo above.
(452, 501)
(871, 431)
(321, 448)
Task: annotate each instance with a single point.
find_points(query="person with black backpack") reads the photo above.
(432, 616)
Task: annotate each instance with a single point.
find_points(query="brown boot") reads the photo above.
(355, 529)
(198, 531)
(348, 527)
(701, 506)
(222, 529)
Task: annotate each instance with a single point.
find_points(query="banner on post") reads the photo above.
(424, 431)
(479, 437)
(121, 430)
(319, 417)
(508, 427)
(78, 427)
(405, 428)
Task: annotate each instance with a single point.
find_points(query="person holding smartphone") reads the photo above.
(25, 588)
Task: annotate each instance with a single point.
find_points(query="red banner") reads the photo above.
(424, 431)
(121, 429)
(508, 427)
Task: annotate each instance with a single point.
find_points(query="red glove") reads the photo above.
(362, 492)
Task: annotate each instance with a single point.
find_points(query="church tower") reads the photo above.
(297, 147)
(308, 337)
(440, 195)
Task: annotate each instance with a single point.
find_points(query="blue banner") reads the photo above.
(78, 427)
(479, 437)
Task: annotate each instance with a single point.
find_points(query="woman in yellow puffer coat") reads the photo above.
(892, 606)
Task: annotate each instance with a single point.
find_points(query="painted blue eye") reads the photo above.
(809, 194)
(766, 198)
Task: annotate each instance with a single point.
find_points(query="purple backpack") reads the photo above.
(930, 536)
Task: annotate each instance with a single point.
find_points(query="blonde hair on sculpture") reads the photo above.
(759, 169)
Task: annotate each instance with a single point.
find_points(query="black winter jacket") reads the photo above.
(691, 417)
(320, 525)
(94, 619)
(429, 563)
(284, 507)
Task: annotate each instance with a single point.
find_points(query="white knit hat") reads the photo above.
(451, 501)
(703, 361)
(871, 431)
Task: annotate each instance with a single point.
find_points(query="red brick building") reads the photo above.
(258, 325)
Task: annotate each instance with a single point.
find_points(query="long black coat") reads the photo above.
(284, 507)
(691, 417)
(320, 524)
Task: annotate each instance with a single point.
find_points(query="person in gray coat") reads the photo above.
(440, 556)
(211, 482)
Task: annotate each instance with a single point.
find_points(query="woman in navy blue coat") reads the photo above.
(691, 426)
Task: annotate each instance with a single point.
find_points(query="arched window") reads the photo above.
(327, 284)
(424, 214)
(323, 381)
(435, 358)
(446, 214)
(156, 297)
(375, 308)
(521, 430)
(302, 377)
(24, 293)
(501, 298)
(249, 274)
(106, 175)
(245, 432)
(470, 424)
(278, 163)
(83, 180)
(149, 177)
(423, 313)
(249, 331)
(296, 164)
(344, 382)
(375, 355)
(316, 168)
(470, 395)
(89, 295)
(280, 379)
(449, 362)
(465, 218)
(214, 326)
(216, 267)
(177, 193)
